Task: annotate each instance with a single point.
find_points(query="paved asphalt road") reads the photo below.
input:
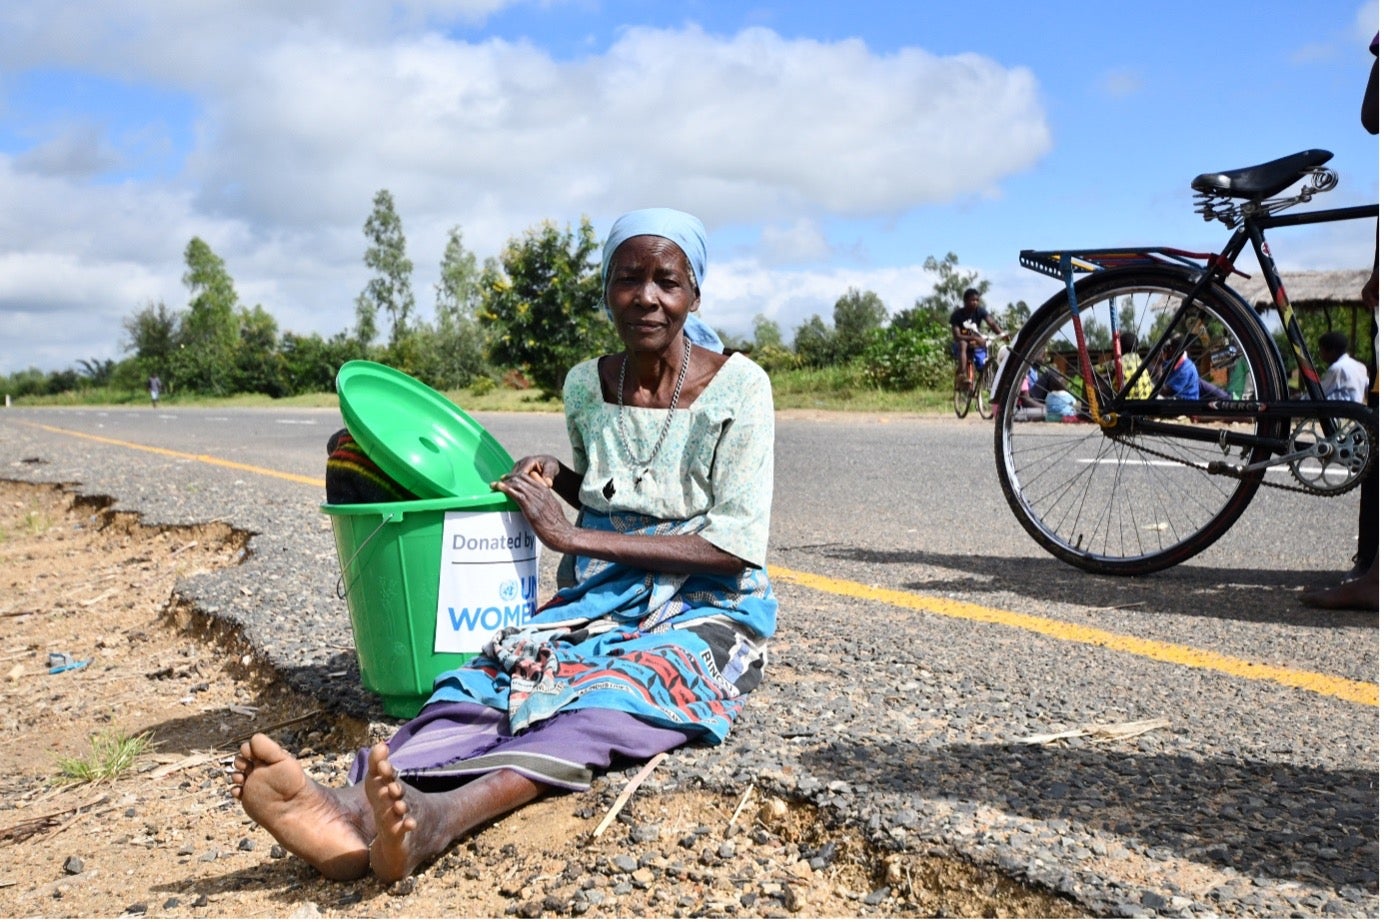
(893, 551)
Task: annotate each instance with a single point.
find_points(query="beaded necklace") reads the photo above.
(644, 465)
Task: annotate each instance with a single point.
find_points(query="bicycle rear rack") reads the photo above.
(1061, 264)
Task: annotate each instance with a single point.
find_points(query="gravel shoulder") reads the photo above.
(164, 839)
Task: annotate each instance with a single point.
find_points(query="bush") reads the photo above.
(907, 359)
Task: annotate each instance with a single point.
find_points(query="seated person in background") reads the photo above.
(1059, 405)
(659, 640)
(1344, 378)
(967, 340)
(1142, 388)
(1184, 382)
(1041, 382)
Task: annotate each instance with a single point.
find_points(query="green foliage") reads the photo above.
(112, 754)
(735, 343)
(915, 350)
(1014, 316)
(541, 304)
(814, 343)
(857, 315)
(777, 358)
(766, 332)
(259, 366)
(391, 288)
(910, 358)
(451, 353)
(947, 295)
(95, 372)
(209, 333)
(310, 363)
(845, 388)
(152, 334)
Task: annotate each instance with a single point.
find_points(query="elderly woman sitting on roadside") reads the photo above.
(660, 637)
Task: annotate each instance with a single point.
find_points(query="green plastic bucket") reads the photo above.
(419, 608)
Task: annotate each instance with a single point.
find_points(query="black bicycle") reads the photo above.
(1171, 443)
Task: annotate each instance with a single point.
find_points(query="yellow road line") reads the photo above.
(1366, 693)
(205, 459)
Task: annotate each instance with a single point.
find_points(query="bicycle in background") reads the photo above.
(978, 388)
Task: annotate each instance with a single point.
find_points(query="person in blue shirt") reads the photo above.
(1184, 382)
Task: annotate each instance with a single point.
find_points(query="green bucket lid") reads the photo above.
(416, 435)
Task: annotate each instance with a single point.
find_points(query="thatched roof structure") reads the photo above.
(1307, 290)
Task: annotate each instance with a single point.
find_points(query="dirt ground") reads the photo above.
(165, 839)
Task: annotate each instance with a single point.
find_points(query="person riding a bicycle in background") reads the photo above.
(967, 340)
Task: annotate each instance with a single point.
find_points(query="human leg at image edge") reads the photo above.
(1360, 588)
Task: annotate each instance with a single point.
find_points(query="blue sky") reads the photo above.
(826, 145)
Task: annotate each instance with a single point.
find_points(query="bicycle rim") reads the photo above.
(961, 400)
(984, 390)
(1133, 502)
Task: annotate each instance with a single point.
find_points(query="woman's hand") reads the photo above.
(546, 467)
(529, 484)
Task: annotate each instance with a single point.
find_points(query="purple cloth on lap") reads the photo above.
(459, 740)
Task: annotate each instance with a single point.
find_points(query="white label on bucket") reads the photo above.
(488, 579)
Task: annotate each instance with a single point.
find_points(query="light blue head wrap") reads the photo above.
(688, 233)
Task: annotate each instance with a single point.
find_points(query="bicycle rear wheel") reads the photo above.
(985, 384)
(961, 398)
(1129, 500)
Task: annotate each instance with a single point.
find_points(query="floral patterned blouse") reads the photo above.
(717, 460)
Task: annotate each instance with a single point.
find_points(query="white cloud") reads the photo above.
(803, 241)
(303, 112)
(739, 290)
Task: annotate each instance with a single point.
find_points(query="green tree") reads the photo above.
(151, 333)
(766, 332)
(814, 343)
(452, 354)
(209, 331)
(259, 366)
(541, 303)
(310, 363)
(916, 350)
(391, 288)
(1015, 315)
(856, 316)
(96, 372)
(946, 296)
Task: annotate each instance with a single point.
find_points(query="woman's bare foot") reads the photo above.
(411, 826)
(329, 829)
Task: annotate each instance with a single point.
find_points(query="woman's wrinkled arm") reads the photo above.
(529, 488)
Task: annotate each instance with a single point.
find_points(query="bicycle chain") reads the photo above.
(1263, 483)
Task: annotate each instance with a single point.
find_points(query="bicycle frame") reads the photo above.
(1065, 264)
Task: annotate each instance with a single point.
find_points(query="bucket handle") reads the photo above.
(341, 588)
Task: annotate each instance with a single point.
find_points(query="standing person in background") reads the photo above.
(1360, 588)
(155, 388)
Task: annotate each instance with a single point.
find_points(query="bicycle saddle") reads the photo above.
(1258, 182)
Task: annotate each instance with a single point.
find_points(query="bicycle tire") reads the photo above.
(985, 385)
(1126, 501)
(961, 399)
